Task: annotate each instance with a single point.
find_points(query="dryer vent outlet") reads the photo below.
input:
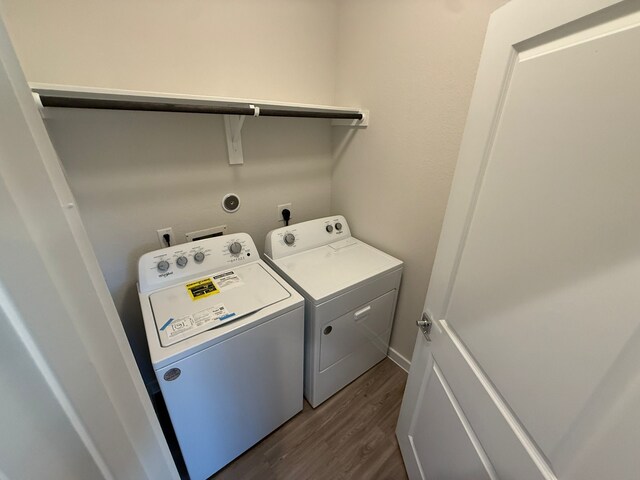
(231, 202)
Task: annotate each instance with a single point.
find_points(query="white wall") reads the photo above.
(135, 172)
(276, 49)
(413, 64)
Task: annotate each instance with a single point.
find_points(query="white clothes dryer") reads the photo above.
(225, 335)
(350, 290)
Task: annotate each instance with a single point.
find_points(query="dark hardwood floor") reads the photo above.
(350, 436)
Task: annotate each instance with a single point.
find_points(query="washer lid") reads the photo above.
(187, 309)
(328, 270)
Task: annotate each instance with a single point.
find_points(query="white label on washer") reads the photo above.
(211, 317)
(180, 326)
(227, 280)
(216, 313)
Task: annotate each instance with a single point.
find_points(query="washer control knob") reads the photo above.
(338, 226)
(289, 239)
(235, 248)
(163, 266)
(198, 257)
(329, 228)
(181, 261)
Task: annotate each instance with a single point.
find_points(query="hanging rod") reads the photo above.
(49, 96)
(71, 102)
(234, 110)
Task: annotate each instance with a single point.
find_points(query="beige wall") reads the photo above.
(135, 172)
(413, 64)
(275, 50)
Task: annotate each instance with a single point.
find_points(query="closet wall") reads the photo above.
(411, 62)
(135, 172)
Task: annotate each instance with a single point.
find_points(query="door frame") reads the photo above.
(71, 329)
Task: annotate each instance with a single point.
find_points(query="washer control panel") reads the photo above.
(170, 265)
(305, 236)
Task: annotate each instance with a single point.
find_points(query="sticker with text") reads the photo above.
(202, 288)
(227, 280)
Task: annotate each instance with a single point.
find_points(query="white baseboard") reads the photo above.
(398, 359)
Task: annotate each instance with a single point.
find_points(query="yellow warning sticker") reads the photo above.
(202, 288)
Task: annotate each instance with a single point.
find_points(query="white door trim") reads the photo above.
(18, 325)
(72, 330)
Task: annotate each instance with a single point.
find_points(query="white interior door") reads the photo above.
(533, 368)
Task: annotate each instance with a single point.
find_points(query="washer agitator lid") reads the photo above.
(187, 309)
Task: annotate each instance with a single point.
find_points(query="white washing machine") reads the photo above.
(350, 290)
(225, 334)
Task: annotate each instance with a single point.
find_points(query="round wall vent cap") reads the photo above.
(231, 202)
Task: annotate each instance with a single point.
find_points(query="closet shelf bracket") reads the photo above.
(233, 129)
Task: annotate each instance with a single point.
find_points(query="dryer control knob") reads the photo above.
(235, 248)
(198, 257)
(338, 226)
(289, 239)
(329, 228)
(182, 261)
(163, 266)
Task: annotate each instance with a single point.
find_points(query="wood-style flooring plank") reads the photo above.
(350, 436)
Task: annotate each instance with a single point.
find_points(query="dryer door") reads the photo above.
(360, 329)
